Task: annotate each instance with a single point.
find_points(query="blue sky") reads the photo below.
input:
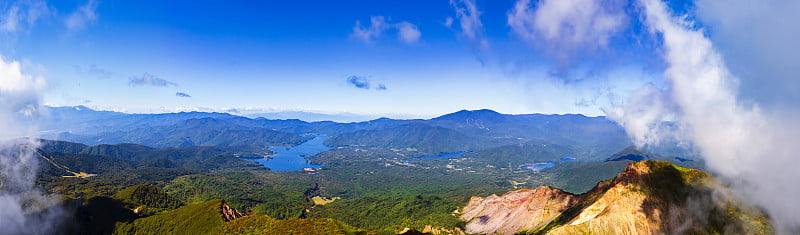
(419, 58)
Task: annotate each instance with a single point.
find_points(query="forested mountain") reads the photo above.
(386, 176)
(592, 137)
(426, 138)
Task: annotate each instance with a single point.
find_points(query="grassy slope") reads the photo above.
(206, 218)
(203, 218)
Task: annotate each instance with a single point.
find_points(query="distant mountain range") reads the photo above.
(314, 117)
(592, 138)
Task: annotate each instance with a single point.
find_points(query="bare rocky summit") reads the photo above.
(648, 197)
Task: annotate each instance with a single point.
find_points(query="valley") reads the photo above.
(365, 178)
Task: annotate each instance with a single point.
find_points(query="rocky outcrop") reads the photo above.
(518, 210)
(648, 197)
(229, 213)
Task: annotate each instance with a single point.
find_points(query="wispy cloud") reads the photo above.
(407, 33)
(181, 94)
(99, 72)
(567, 27)
(469, 25)
(374, 30)
(83, 16)
(364, 83)
(469, 18)
(22, 15)
(94, 70)
(149, 80)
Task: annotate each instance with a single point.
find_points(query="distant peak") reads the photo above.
(631, 153)
(478, 111)
(485, 113)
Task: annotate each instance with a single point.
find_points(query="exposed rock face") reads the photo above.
(229, 213)
(518, 210)
(649, 197)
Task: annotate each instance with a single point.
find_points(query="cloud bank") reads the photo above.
(20, 108)
(759, 41)
(751, 147)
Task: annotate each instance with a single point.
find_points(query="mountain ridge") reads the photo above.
(648, 197)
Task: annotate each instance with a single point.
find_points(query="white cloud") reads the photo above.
(374, 30)
(83, 16)
(20, 108)
(643, 115)
(759, 39)
(23, 15)
(20, 96)
(751, 147)
(567, 27)
(469, 22)
(406, 32)
(468, 17)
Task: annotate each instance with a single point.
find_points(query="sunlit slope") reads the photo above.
(648, 197)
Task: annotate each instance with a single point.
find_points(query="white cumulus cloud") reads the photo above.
(567, 27)
(408, 32)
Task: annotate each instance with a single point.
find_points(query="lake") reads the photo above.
(293, 158)
(539, 166)
(441, 155)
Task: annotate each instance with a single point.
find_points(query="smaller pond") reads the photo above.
(543, 165)
(539, 166)
(442, 155)
(293, 158)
